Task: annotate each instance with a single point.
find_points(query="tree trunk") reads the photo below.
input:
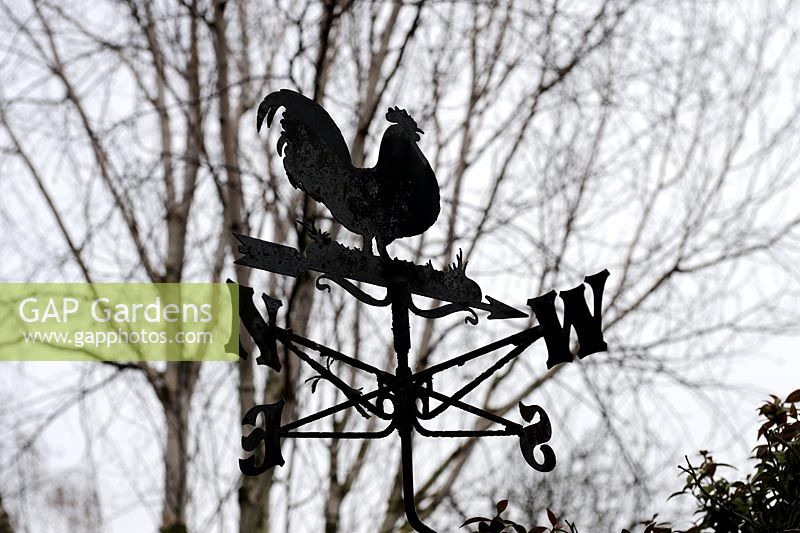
(175, 399)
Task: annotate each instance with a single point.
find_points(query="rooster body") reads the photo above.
(398, 197)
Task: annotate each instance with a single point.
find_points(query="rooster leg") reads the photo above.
(382, 248)
(366, 245)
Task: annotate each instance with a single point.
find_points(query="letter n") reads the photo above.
(260, 331)
(588, 326)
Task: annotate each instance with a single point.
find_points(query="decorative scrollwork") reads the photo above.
(444, 310)
(351, 288)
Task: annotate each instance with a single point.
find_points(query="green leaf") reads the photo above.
(794, 397)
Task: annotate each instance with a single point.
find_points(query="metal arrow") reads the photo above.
(338, 263)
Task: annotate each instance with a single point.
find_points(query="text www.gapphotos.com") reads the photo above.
(80, 339)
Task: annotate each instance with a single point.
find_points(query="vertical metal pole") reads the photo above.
(399, 293)
(408, 483)
(404, 407)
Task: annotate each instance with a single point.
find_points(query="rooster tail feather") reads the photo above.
(304, 110)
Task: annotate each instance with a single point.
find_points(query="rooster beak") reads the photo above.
(420, 131)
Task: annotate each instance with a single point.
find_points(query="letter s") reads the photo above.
(536, 435)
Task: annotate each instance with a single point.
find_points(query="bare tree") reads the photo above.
(658, 141)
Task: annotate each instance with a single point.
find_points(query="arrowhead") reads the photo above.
(499, 310)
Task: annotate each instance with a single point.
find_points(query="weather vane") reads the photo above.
(398, 197)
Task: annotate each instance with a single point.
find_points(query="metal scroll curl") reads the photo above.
(444, 310)
(351, 288)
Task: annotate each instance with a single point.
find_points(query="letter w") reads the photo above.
(588, 327)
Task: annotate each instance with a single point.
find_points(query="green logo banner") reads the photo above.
(118, 321)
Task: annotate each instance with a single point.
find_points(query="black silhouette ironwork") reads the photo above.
(314, 145)
(398, 197)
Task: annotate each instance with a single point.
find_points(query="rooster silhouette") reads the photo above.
(398, 197)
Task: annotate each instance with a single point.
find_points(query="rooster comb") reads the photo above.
(402, 118)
